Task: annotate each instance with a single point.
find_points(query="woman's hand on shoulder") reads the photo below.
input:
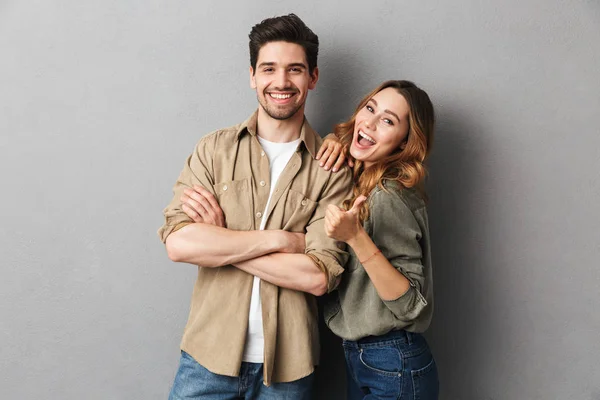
(333, 153)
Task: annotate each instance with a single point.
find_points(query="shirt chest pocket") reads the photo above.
(298, 211)
(235, 200)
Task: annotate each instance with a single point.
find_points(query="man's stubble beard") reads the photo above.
(275, 114)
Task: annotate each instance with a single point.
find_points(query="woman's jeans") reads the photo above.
(397, 365)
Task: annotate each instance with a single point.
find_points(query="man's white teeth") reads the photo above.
(364, 135)
(280, 96)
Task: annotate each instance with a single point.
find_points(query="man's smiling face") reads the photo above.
(282, 79)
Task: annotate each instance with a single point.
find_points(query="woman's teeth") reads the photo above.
(363, 135)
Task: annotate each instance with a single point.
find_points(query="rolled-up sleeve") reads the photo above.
(397, 234)
(330, 255)
(196, 171)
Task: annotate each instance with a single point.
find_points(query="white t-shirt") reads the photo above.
(279, 154)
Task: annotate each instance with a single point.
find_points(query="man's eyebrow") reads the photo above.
(272, 63)
(387, 111)
(298, 64)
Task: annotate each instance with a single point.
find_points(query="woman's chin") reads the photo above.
(357, 154)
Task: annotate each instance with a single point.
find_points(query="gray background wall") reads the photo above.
(100, 103)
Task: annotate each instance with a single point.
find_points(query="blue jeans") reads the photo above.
(397, 365)
(193, 381)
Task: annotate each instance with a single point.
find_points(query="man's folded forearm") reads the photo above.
(214, 246)
(291, 271)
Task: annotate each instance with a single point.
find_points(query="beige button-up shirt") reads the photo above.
(233, 166)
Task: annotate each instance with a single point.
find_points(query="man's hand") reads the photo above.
(343, 225)
(333, 153)
(201, 206)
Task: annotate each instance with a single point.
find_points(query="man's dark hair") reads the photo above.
(286, 28)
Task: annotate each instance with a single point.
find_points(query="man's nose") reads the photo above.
(281, 79)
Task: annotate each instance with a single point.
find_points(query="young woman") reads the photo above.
(385, 301)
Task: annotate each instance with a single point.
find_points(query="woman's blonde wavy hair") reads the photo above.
(403, 166)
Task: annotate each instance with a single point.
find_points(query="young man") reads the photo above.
(252, 330)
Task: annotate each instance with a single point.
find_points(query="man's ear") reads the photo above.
(252, 78)
(314, 77)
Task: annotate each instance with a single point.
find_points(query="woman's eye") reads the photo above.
(370, 108)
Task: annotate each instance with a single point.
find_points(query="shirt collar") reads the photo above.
(307, 135)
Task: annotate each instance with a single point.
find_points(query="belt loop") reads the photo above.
(409, 337)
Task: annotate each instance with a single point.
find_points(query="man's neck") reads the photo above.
(279, 131)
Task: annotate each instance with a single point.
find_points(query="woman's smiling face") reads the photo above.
(380, 127)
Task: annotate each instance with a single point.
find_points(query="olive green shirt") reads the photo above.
(233, 166)
(398, 226)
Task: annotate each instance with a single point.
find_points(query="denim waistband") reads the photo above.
(392, 336)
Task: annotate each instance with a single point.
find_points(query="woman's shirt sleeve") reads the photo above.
(396, 232)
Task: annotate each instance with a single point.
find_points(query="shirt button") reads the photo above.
(262, 183)
(224, 187)
(303, 202)
(258, 214)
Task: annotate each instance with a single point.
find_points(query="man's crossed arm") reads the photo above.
(276, 256)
